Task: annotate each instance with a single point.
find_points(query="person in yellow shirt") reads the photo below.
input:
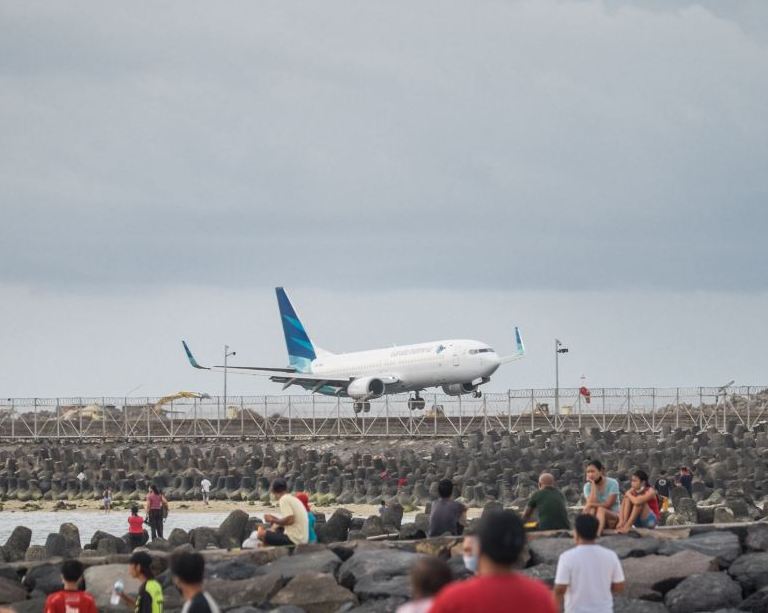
(292, 527)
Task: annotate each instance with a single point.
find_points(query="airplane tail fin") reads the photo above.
(301, 352)
(519, 348)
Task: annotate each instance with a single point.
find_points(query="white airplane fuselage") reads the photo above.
(415, 367)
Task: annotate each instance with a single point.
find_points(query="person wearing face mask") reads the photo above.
(429, 575)
(602, 497)
(469, 553)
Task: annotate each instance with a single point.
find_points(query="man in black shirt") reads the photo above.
(188, 569)
(686, 479)
(446, 514)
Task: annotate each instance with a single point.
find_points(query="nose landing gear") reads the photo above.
(361, 407)
(477, 394)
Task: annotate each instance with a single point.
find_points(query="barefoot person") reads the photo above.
(640, 507)
(602, 496)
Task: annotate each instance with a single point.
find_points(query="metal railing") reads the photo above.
(315, 416)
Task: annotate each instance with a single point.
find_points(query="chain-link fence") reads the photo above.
(315, 416)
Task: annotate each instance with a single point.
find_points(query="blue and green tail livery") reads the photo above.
(301, 352)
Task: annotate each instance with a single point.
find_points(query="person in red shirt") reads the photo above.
(135, 528)
(640, 507)
(71, 599)
(497, 587)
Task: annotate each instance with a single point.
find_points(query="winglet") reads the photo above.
(191, 358)
(519, 342)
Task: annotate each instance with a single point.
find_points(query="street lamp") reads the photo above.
(227, 354)
(559, 348)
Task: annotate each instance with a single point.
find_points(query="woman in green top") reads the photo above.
(150, 596)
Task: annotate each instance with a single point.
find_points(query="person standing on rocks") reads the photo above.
(549, 504)
(602, 496)
(135, 528)
(446, 513)
(156, 502)
(290, 529)
(498, 588)
(188, 570)
(429, 575)
(107, 500)
(588, 575)
(640, 508)
(685, 478)
(150, 596)
(205, 489)
(71, 599)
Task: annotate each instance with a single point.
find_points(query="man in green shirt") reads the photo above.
(549, 504)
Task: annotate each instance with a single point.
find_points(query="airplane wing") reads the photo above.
(520, 353)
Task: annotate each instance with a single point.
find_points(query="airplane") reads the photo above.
(458, 366)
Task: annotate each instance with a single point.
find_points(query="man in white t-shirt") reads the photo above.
(205, 488)
(294, 521)
(588, 575)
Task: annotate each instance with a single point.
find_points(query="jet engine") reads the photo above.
(457, 389)
(365, 388)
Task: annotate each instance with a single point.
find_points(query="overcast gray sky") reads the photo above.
(589, 170)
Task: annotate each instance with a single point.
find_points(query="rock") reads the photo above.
(757, 537)
(109, 545)
(231, 532)
(630, 605)
(17, 544)
(720, 544)
(370, 587)
(336, 528)
(723, 515)
(178, 537)
(411, 532)
(656, 575)
(757, 602)
(380, 605)
(542, 572)
(203, 538)
(33, 605)
(233, 570)
(71, 534)
(370, 574)
(100, 579)
(631, 546)
(315, 593)
(248, 591)
(751, 571)
(704, 592)
(36, 553)
(45, 578)
(11, 591)
(55, 545)
(158, 545)
(323, 561)
(548, 550)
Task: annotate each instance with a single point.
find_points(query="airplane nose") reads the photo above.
(493, 361)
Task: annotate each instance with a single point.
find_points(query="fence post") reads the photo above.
(314, 427)
(677, 408)
(80, 421)
(604, 424)
(653, 409)
(125, 417)
(578, 400)
(34, 417)
(461, 427)
(386, 415)
(58, 420)
(485, 416)
(338, 416)
(701, 409)
(266, 422)
(629, 408)
(13, 419)
(533, 411)
(434, 414)
(290, 428)
(242, 418)
(146, 408)
(103, 417)
(509, 410)
(749, 397)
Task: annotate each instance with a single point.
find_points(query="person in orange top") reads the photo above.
(497, 588)
(71, 599)
(135, 528)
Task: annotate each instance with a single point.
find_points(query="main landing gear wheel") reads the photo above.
(477, 394)
(416, 403)
(362, 407)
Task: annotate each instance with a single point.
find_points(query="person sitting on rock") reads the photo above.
(550, 506)
(602, 496)
(188, 570)
(71, 599)
(446, 514)
(497, 588)
(290, 529)
(588, 575)
(149, 599)
(640, 507)
(428, 576)
(135, 528)
(304, 499)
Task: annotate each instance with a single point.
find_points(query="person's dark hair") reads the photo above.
(429, 575)
(445, 488)
(586, 527)
(134, 510)
(154, 489)
(189, 567)
(72, 570)
(144, 561)
(383, 504)
(279, 486)
(502, 537)
(641, 474)
(597, 464)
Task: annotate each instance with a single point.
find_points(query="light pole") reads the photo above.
(227, 354)
(559, 348)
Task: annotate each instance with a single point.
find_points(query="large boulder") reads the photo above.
(11, 591)
(32, 605)
(71, 535)
(378, 574)
(336, 528)
(757, 537)
(323, 561)
(234, 569)
(548, 550)
(17, 544)
(723, 545)
(757, 602)
(627, 546)
(315, 593)
(99, 581)
(45, 578)
(704, 592)
(232, 530)
(653, 575)
(751, 571)
(55, 545)
(252, 591)
(632, 605)
(378, 605)
(203, 538)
